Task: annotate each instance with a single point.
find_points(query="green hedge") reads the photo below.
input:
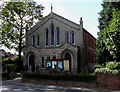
(69, 77)
(5, 75)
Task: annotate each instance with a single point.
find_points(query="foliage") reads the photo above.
(5, 75)
(111, 36)
(7, 61)
(14, 61)
(111, 67)
(98, 66)
(69, 77)
(105, 70)
(103, 52)
(14, 17)
(10, 67)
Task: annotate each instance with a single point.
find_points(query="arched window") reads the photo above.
(57, 36)
(46, 37)
(38, 40)
(33, 40)
(72, 38)
(52, 34)
(67, 37)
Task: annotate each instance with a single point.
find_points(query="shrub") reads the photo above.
(69, 77)
(10, 67)
(98, 66)
(5, 75)
(111, 67)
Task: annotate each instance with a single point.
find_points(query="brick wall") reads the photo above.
(104, 81)
(89, 43)
(108, 81)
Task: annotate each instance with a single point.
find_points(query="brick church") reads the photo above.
(56, 37)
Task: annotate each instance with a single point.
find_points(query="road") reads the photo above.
(17, 85)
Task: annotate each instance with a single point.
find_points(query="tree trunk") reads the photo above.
(20, 45)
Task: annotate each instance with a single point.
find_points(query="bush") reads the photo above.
(15, 61)
(10, 67)
(69, 77)
(97, 66)
(111, 67)
(5, 75)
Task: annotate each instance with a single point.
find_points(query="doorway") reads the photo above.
(68, 56)
(32, 62)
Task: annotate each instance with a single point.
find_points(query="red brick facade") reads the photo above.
(89, 44)
(109, 81)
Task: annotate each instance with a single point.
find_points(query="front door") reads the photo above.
(32, 62)
(68, 56)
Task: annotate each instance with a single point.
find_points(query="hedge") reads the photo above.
(68, 77)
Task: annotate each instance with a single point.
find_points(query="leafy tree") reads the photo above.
(15, 16)
(111, 36)
(103, 54)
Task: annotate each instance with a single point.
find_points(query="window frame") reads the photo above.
(33, 40)
(72, 39)
(57, 36)
(67, 37)
(38, 39)
(51, 36)
(46, 37)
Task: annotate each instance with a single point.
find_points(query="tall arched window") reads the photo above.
(38, 40)
(72, 38)
(33, 40)
(52, 34)
(46, 37)
(67, 37)
(57, 36)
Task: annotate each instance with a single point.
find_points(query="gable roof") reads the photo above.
(58, 18)
(54, 16)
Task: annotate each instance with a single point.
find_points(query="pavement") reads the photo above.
(25, 87)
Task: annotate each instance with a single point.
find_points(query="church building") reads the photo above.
(55, 37)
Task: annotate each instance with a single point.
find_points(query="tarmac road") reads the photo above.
(17, 86)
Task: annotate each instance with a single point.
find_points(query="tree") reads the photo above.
(111, 36)
(15, 16)
(102, 52)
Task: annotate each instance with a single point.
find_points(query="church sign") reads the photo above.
(58, 64)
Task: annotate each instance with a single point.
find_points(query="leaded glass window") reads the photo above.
(67, 37)
(52, 34)
(33, 40)
(72, 38)
(57, 36)
(38, 40)
(46, 37)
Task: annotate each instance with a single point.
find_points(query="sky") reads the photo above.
(73, 10)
